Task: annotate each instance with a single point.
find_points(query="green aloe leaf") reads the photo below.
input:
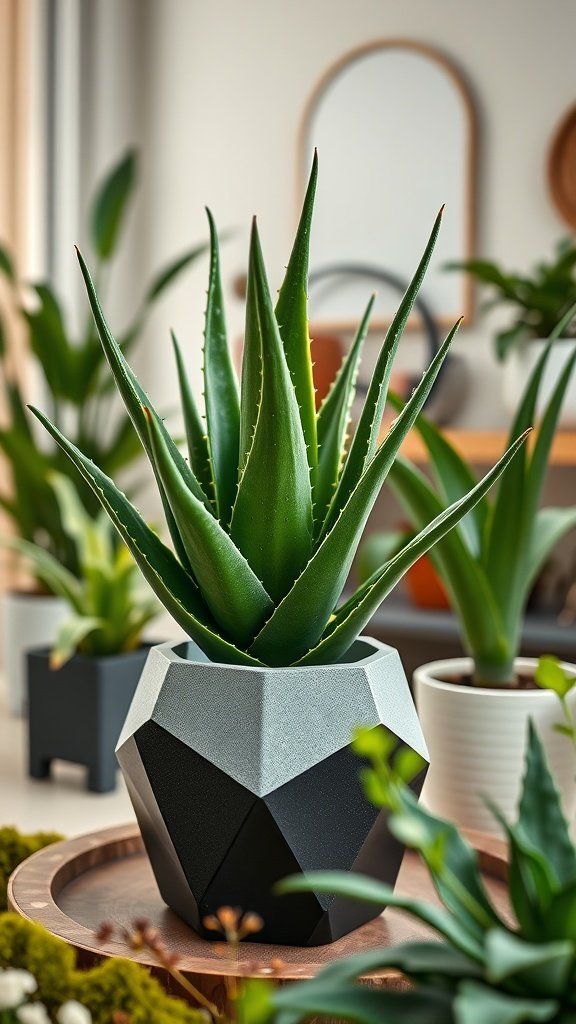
(541, 818)
(453, 476)
(550, 525)
(70, 635)
(110, 205)
(542, 968)
(251, 389)
(365, 440)
(368, 890)
(361, 1004)
(48, 569)
(353, 616)
(418, 960)
(333, 420)
(165, 277)
(220, 390)
(298, 622)
(234, 595)
(292, 319)
(195, 428)
(174, 587)
(272, 516)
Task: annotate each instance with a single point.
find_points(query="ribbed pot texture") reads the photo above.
(477, 738)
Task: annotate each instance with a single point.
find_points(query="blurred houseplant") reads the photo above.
(540, 300)
(265, 520)
(80, 395)
(79, 692)
(487, 968)
(487, 565)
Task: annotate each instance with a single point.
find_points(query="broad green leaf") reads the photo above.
(453, 476)
(463, 577)
(368, 890)
(195, 428)
(560, 918)
(272, 516)
(221, 391)
(550, 675)
(541, 818)
(357, 611)
(418, 960)
(361, 1004)
(543, 968)
(292, 319)
(48, 569)
(478, 1004)
(298, 622)
(110, 205)
(365, 440)
(70, 635)
(234, 595)
(332, 424)
(49, 342)
(174, 587)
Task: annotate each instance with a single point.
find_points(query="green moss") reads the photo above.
(49, 959)
(14, 848)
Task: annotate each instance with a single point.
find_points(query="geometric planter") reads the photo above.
(477, 741)
(26, 620)
(76, 712)
(240, 776)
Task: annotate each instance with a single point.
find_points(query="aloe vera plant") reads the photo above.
(490, 561)
(73, 374)
(267, 514)
(489, 966)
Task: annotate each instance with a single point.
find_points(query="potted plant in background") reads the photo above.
(474, 709)
(79, 392)
(79, 691)
(540, 300)
(236, 748)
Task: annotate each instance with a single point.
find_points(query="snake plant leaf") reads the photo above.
(135, 401)
(174, 587)
(369, 890)
(332, 424)
(365, 440)
(299, 620)
(233, 593)
(48, 569)
(49, 341)
(353, 616)
(453, 476)
(476, 1004)
(195, 428)
(272, 516)
(543, 968)
(220, 390)
(164, 278)
(540, 813)
(292, 319)
(550, 525)
(110, 206)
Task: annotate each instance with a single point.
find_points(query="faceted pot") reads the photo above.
(241, 776)
(477, 736)
(76, 712)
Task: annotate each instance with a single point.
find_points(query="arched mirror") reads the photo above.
(394, 125)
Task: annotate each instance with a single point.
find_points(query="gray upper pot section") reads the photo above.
(264, 726)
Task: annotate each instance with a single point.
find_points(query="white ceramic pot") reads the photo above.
(520, 364)
(27, 620)
(477, 740)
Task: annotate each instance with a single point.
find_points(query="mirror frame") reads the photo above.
(470, 161)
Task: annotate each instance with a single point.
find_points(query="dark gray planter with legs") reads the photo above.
(241, 776)
(76, 712)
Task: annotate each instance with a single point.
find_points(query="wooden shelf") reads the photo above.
(483, 446)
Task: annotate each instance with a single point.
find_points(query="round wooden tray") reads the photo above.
(75, 885)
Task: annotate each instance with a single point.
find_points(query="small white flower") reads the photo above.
(33, 1013)
(73, 1012)
(15, 985)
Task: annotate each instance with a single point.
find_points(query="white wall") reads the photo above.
(225, 85)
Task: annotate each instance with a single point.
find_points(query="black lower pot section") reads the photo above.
(240, 777)
(76, 712)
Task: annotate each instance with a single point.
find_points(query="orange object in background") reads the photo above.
(327, 355)
(424, 586)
